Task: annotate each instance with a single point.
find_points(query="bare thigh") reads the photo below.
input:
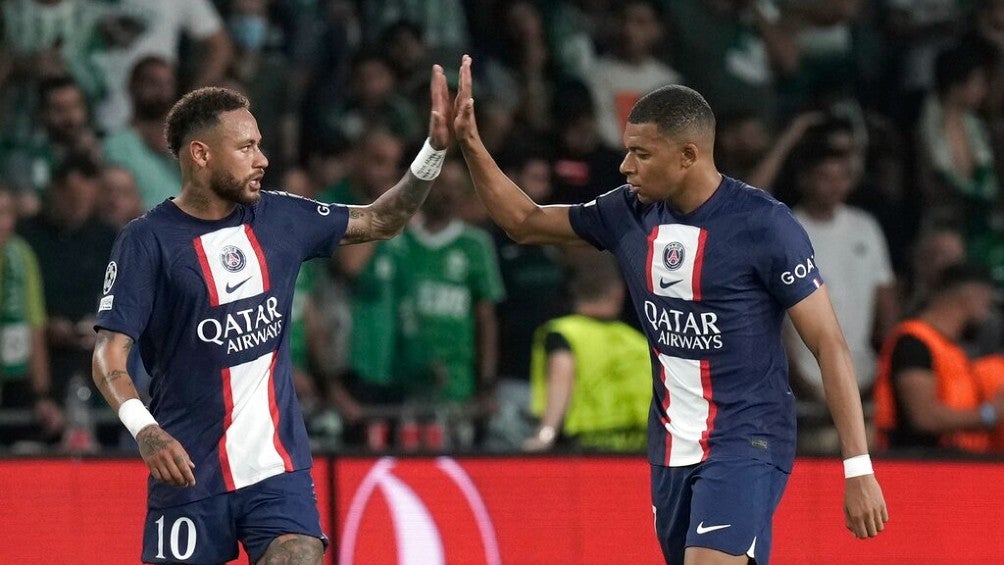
(293, 549)
(705, 556)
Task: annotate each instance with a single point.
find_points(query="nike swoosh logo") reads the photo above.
(236, 286)
(663, 284)
(702, 530)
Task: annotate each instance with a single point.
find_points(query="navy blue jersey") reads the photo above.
(711, 289)
(208, 303)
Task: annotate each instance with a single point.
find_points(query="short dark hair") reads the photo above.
(81, 163)
(961, 274)
(199, 109)
(955, 65)
(674, 108)
(47, 86)
(592, 279)
(148, 61)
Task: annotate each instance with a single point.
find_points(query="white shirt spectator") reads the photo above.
(164, 22)
(853, 258)
(616, 85)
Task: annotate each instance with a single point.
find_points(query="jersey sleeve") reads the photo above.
(787, 264)
(597, 221)
(319, 227)
(487, 283)
(130, 284)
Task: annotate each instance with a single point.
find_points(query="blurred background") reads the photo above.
(881, 123)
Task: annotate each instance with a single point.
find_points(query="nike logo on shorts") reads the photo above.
(701, 529)
(236, 286)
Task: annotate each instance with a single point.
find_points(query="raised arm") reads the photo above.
(167, 459)
(864, 506)
(388, 214)
(507, 204)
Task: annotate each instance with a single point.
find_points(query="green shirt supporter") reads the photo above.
(156, 175)
(610, 399)
(373, 338)
(441, 278)
(22, 307)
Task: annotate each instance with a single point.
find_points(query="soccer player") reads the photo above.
(204, 284)
(712, 265)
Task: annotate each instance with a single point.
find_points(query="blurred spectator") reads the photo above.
(522, 74)
(43, 39)
(408, 55)
(833, 49)
(28, 165)
(960, 183)
(749, 153)
(134, 29)
(24, 362)
(119, 201)
(729, 50)
(851, 254)
(588, 369)
(918, 30)
(631, 70)
(141, 147)
(68, 233)
(583, 167)
(449, 283)
(360, 303)
(534, 279)
(936, 249)
(264, 75)
(927, 394)
(443, 23)
(373, 103)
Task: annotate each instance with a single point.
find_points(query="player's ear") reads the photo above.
(689, 154)
(199, 152)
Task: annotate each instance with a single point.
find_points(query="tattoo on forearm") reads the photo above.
(114, 376)
(390, 212)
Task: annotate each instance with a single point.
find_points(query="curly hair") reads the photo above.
(199, 109)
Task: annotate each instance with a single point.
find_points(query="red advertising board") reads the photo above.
(512, 510)
(567, 510)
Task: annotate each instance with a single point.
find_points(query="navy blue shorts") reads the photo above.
(723, 505)
(207, 531)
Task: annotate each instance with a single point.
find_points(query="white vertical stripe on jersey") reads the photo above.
(678, 281)
(250, 445)
(230, 285)
(688, 409)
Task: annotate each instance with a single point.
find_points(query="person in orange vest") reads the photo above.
(928, 392)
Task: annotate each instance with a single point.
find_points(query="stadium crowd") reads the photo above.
(880, 123)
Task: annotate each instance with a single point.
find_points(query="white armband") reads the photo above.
(858, 466)
(428, 162)
(135, 416)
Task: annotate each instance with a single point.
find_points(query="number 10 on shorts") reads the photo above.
(175, 533)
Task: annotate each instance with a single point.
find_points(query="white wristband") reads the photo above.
(135, 416)
(858, 466)
(428, 162)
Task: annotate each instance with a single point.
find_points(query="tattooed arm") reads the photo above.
(167, 459)
(388, 215)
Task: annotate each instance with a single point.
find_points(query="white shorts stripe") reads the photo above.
(250, 446)
(688, 410)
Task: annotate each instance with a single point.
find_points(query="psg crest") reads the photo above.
(673, 256)
(232, 258)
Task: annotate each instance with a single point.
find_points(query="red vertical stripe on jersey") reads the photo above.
(664, 417)
(261, 256)
(274, 410)
(648, 261)
(712, 409)
(228, 417)
(698, 264)
(207, 273)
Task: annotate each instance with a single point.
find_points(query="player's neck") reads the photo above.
(695, 191)
(203, 204)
